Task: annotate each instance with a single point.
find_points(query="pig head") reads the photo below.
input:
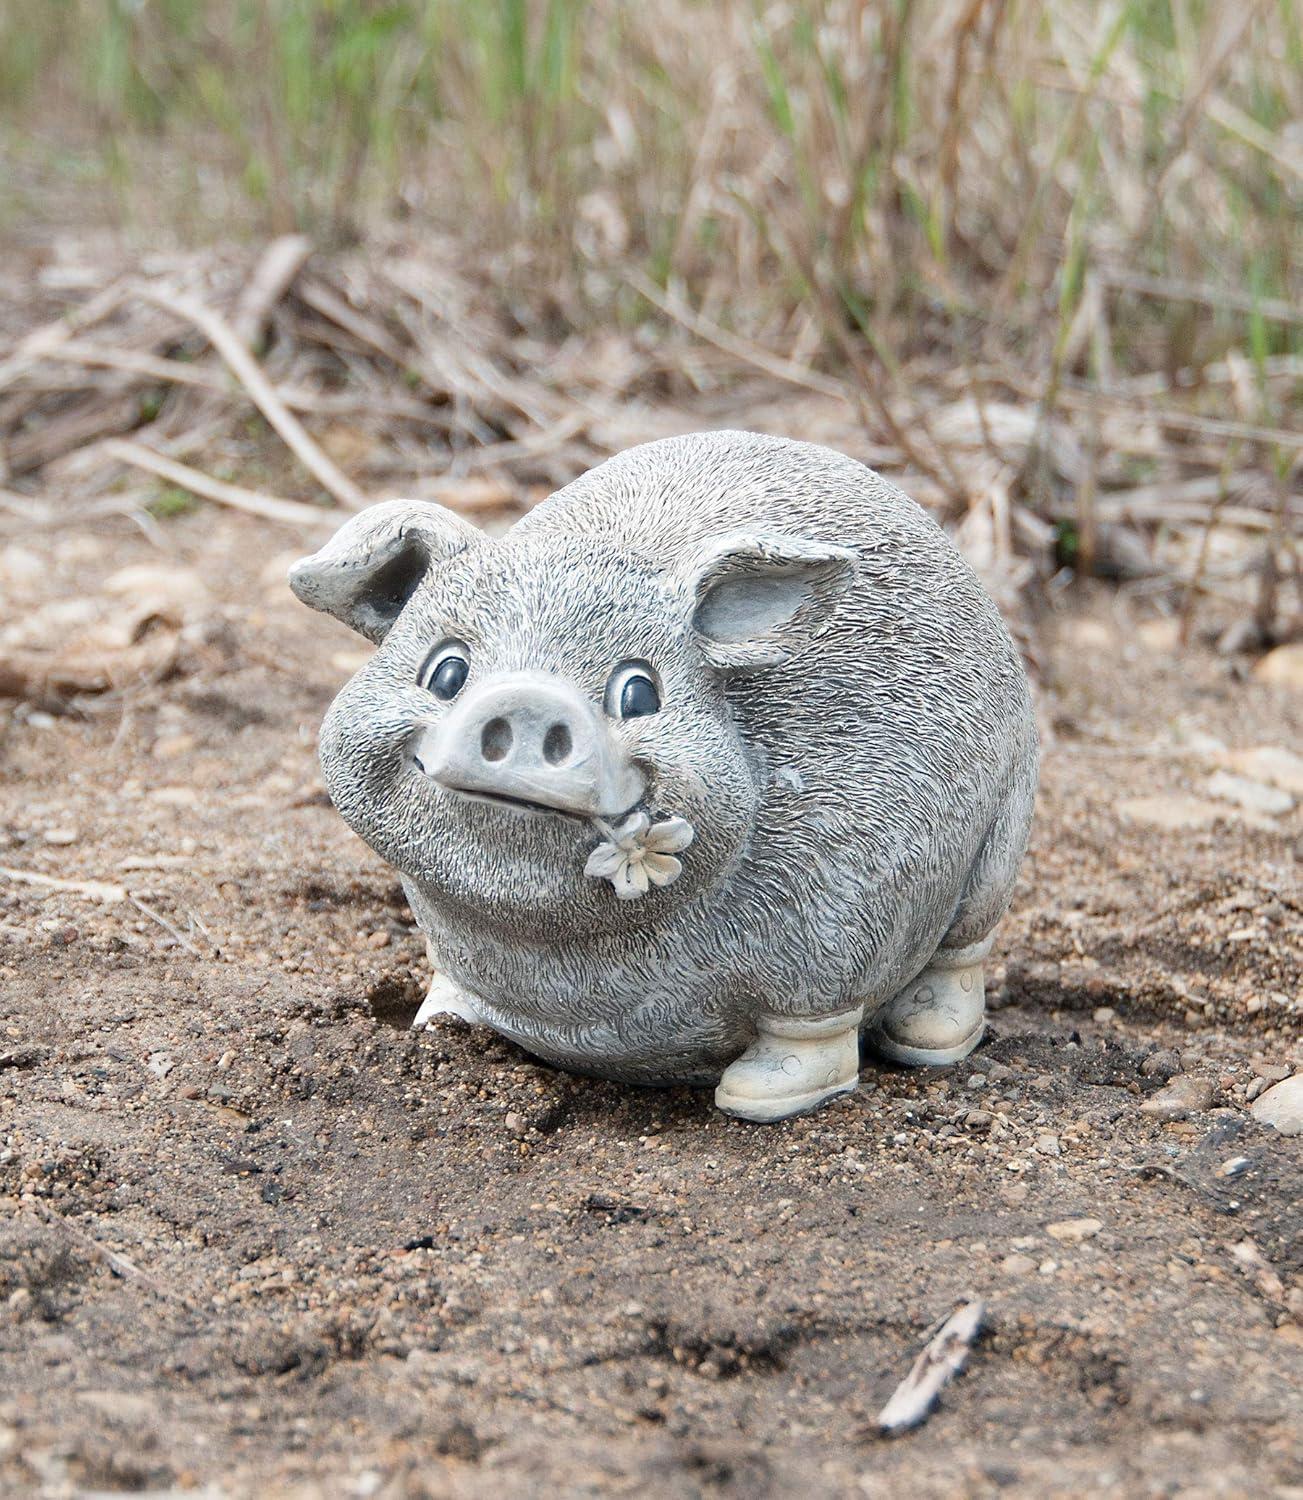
(544, 738)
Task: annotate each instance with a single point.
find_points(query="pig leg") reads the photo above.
(938, 1018)
(793, 1066)
(446, 999)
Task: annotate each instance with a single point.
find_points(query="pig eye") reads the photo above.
(631, 691)
(445, 671)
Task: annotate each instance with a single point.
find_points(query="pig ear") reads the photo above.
(754, 599)
(371, 567)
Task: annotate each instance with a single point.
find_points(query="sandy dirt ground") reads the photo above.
(259, 1239)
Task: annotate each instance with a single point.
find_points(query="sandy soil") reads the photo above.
(255, 1236)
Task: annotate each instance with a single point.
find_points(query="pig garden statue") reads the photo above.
(716, 760)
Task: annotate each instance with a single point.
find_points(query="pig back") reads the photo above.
(886, 746)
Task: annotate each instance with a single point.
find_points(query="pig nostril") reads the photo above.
(495, 739)
(557, 744)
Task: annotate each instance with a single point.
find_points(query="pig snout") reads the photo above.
(533, 740)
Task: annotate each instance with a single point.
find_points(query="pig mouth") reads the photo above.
(523, 805)
(635, 854)
(518, 805)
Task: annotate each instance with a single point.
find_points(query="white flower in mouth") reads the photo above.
(639, 853)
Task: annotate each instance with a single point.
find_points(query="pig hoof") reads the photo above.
(940, 1017)
(793, 1066)
(446, 999)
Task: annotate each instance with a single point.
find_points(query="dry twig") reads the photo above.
(121, 1265)
(249, 373)
(942, 1358)
(739, 348)
(168, 927)
(272, 277)
(47, 678)
(98, 890)
(292, 512)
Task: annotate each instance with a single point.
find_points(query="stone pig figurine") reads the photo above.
(718, 758)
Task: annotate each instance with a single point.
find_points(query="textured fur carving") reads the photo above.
(859, 775)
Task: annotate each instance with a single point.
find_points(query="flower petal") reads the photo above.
(670, 836)
(630, 832)
(630, 881)
(604, 861)
(662, 869)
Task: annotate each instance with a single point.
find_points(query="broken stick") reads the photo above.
(273, 276)
(293, 512)
(942, 1358)
(249, 373)
(98, 890)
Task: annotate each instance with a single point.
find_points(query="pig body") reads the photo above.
(842, 728)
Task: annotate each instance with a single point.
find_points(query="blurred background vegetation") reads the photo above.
(1039, 251)
(837, 161)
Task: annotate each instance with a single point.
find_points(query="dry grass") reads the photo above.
(1036, 259)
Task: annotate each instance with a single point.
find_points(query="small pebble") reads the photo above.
(1171, 811)
(516, 1122)
(1186, 1094)
(378, 940)
(173, 745)
(1105, 1013)
(175, 796)
(1281, 1106)
(1253, 795)
(1073, 1231)
(978, 1119)
(1048, 1145)
(1271, 763)
(1018, 1265)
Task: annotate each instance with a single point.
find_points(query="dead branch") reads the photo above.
(46, 679)
(158, 369)
(168, 927)
(749, 353)
(292, 512)
(98, 890)
(272, 277)
(1171, 289)
(249, 373)
(121, 1265)
(943, 1357)
(50, 335)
